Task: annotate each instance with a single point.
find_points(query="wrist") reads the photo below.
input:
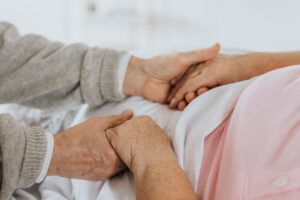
(135, 78)
(257, 63)
(56, 159)
(266, 62)
(153, 163)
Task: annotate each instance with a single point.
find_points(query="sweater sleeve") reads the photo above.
(22, 155)
(43, 74)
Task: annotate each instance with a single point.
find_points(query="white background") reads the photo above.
(161, 25)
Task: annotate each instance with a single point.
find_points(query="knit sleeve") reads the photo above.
(39, 73)
(23, 151)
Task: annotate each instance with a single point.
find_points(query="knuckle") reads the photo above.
(110, 134)
(111, 156)
(104, 173)
(146, 118)
(179, 95)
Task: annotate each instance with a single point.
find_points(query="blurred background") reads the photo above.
(161, 25)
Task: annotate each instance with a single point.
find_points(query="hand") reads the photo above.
(147, 152)
(84, 152)
(139, 142)
(223, 69)
(152, 78)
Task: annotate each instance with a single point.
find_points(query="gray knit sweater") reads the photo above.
(43, 74)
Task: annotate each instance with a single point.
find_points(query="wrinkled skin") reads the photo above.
(135, 139)
(146, 150)
(84, 152)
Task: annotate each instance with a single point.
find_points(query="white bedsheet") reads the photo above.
(187, 131)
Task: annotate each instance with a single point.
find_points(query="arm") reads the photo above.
(162, 179)
(225, 69)
(44, 74)
(22, 155)
(147, 152)
(82, 151)
(265, 62)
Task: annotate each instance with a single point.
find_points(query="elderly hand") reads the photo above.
(139, 142)
(152, 78)
(84, 152)
(223, 69)
(147, 152)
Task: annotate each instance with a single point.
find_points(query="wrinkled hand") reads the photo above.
(84, 152)
(152, 78)
(223, 69)
(139, 142)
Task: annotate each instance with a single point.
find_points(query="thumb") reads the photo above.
(198, 56)
(115, 120)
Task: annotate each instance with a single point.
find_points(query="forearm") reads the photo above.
(163, 180)
(265, 62)
(135, 78)
(37, 72)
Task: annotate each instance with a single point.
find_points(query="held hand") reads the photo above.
(139, 142)
(223, 69)
(152, 78)
(147, 152)
(84, 152)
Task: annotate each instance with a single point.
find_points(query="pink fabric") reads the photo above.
(255, 153)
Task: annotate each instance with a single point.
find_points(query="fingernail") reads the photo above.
(173, 82)
(216, 46)
(211, 48)
(128, 112)
(173, 101)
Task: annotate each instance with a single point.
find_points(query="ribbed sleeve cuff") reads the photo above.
(35, 151)
(48, 156)
(99, 79)
(109, 76)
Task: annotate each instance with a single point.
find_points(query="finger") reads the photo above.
(115, 120)
(201, 90)
(176, 79)
(198, 56)
(190, 96)
(182, 81)
(173, 82)
(180, 84)
(112, 137)
(181, 105)
(180, 91)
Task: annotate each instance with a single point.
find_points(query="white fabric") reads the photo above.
(187, 131)
(50, 145)
(122, 71)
